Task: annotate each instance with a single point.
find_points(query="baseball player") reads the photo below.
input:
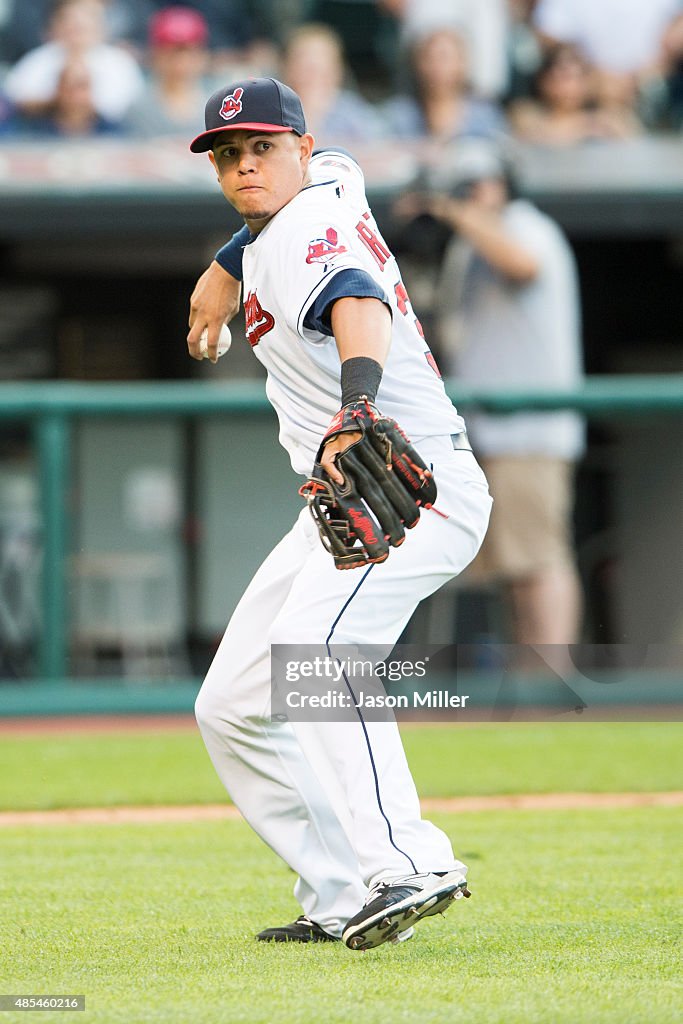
(328, 316)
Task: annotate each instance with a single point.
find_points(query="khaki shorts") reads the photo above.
(530, 526)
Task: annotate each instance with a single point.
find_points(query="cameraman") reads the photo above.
(508, 316)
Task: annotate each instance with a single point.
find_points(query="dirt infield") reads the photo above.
(225, 812)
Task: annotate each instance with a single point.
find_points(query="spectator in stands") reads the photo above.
(509, 313)
(71, 113)
(26, 23)
(483, 23)
(173, 102)
(238, 30)
(77, 31)
(441, 106)
(231, 22)
(624, 36)
(622, 39)
(314, 67)
(238, 43)
(565, 110)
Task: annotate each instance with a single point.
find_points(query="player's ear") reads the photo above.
(306, 143)
(212, 158)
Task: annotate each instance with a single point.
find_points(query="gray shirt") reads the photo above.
(497, 332)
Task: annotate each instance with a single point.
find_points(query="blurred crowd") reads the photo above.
(550, 72)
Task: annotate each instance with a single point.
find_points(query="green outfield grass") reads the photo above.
(84, 770)
(572, 919)
(571, 922)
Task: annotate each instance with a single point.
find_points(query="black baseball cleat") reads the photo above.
(301, 930)
(395, 906)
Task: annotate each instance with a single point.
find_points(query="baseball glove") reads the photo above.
(386, 483)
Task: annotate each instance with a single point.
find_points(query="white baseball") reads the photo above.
(224, 341)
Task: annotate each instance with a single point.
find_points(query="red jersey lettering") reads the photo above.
(402, 299)
(403, 303)
(372, 242)
(258, 320)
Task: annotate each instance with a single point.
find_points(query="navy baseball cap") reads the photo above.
(256, 104)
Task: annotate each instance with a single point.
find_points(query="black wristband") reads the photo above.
(360, 378)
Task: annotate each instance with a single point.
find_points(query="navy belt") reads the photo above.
(461, 441)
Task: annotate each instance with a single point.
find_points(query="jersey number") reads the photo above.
(373, 242)
(403, 303)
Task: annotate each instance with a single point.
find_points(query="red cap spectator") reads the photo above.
(178, 26)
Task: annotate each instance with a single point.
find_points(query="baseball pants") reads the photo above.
(336, 800)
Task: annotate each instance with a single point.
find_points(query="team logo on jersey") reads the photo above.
(232, 104)
(322, 250)
(258, 320)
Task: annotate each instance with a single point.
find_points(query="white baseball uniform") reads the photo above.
(335, 799)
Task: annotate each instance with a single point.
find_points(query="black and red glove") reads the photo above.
(386, 483)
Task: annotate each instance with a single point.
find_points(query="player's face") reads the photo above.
(260, 172)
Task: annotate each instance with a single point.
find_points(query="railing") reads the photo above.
(51, 407)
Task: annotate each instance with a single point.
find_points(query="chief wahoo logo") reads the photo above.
(232, 104)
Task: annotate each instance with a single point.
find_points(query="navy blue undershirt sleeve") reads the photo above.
(354, 283)
(230, 256)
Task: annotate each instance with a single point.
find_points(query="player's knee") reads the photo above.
(215, 721)
(221, 711)
(201, 708)
(207, 710)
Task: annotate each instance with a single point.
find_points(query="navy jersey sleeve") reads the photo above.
(230, 256)
(354, 283)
